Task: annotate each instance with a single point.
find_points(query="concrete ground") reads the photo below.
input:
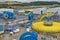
(41, 36)
(14, 36)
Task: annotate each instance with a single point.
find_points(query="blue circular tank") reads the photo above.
(29, 36)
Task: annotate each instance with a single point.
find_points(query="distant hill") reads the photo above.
(31, 3)
(42, 3)
(45, 2)
(10, 2)
(36, 3)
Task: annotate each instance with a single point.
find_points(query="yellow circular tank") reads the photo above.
(40, 27)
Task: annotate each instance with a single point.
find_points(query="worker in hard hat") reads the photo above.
(31, 16)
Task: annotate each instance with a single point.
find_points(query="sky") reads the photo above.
(30, 0)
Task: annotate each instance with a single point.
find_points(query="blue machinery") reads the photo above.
(31, 16)
(29, 36)
(28, 24)
(7, 15)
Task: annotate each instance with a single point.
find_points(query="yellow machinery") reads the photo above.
(44, 26)
(46, 14)
(27, 12)
(39, 26)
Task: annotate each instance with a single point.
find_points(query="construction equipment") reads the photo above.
(32, 35)
(46, 25)
(39, 26)
(7, 15)
(48, 14)
(31, 16)
(27, 12)
(28, 24)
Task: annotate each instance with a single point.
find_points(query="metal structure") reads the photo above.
(29, 36)
(31, 16)
(7, 15)
(46, 25)
(28, 24)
